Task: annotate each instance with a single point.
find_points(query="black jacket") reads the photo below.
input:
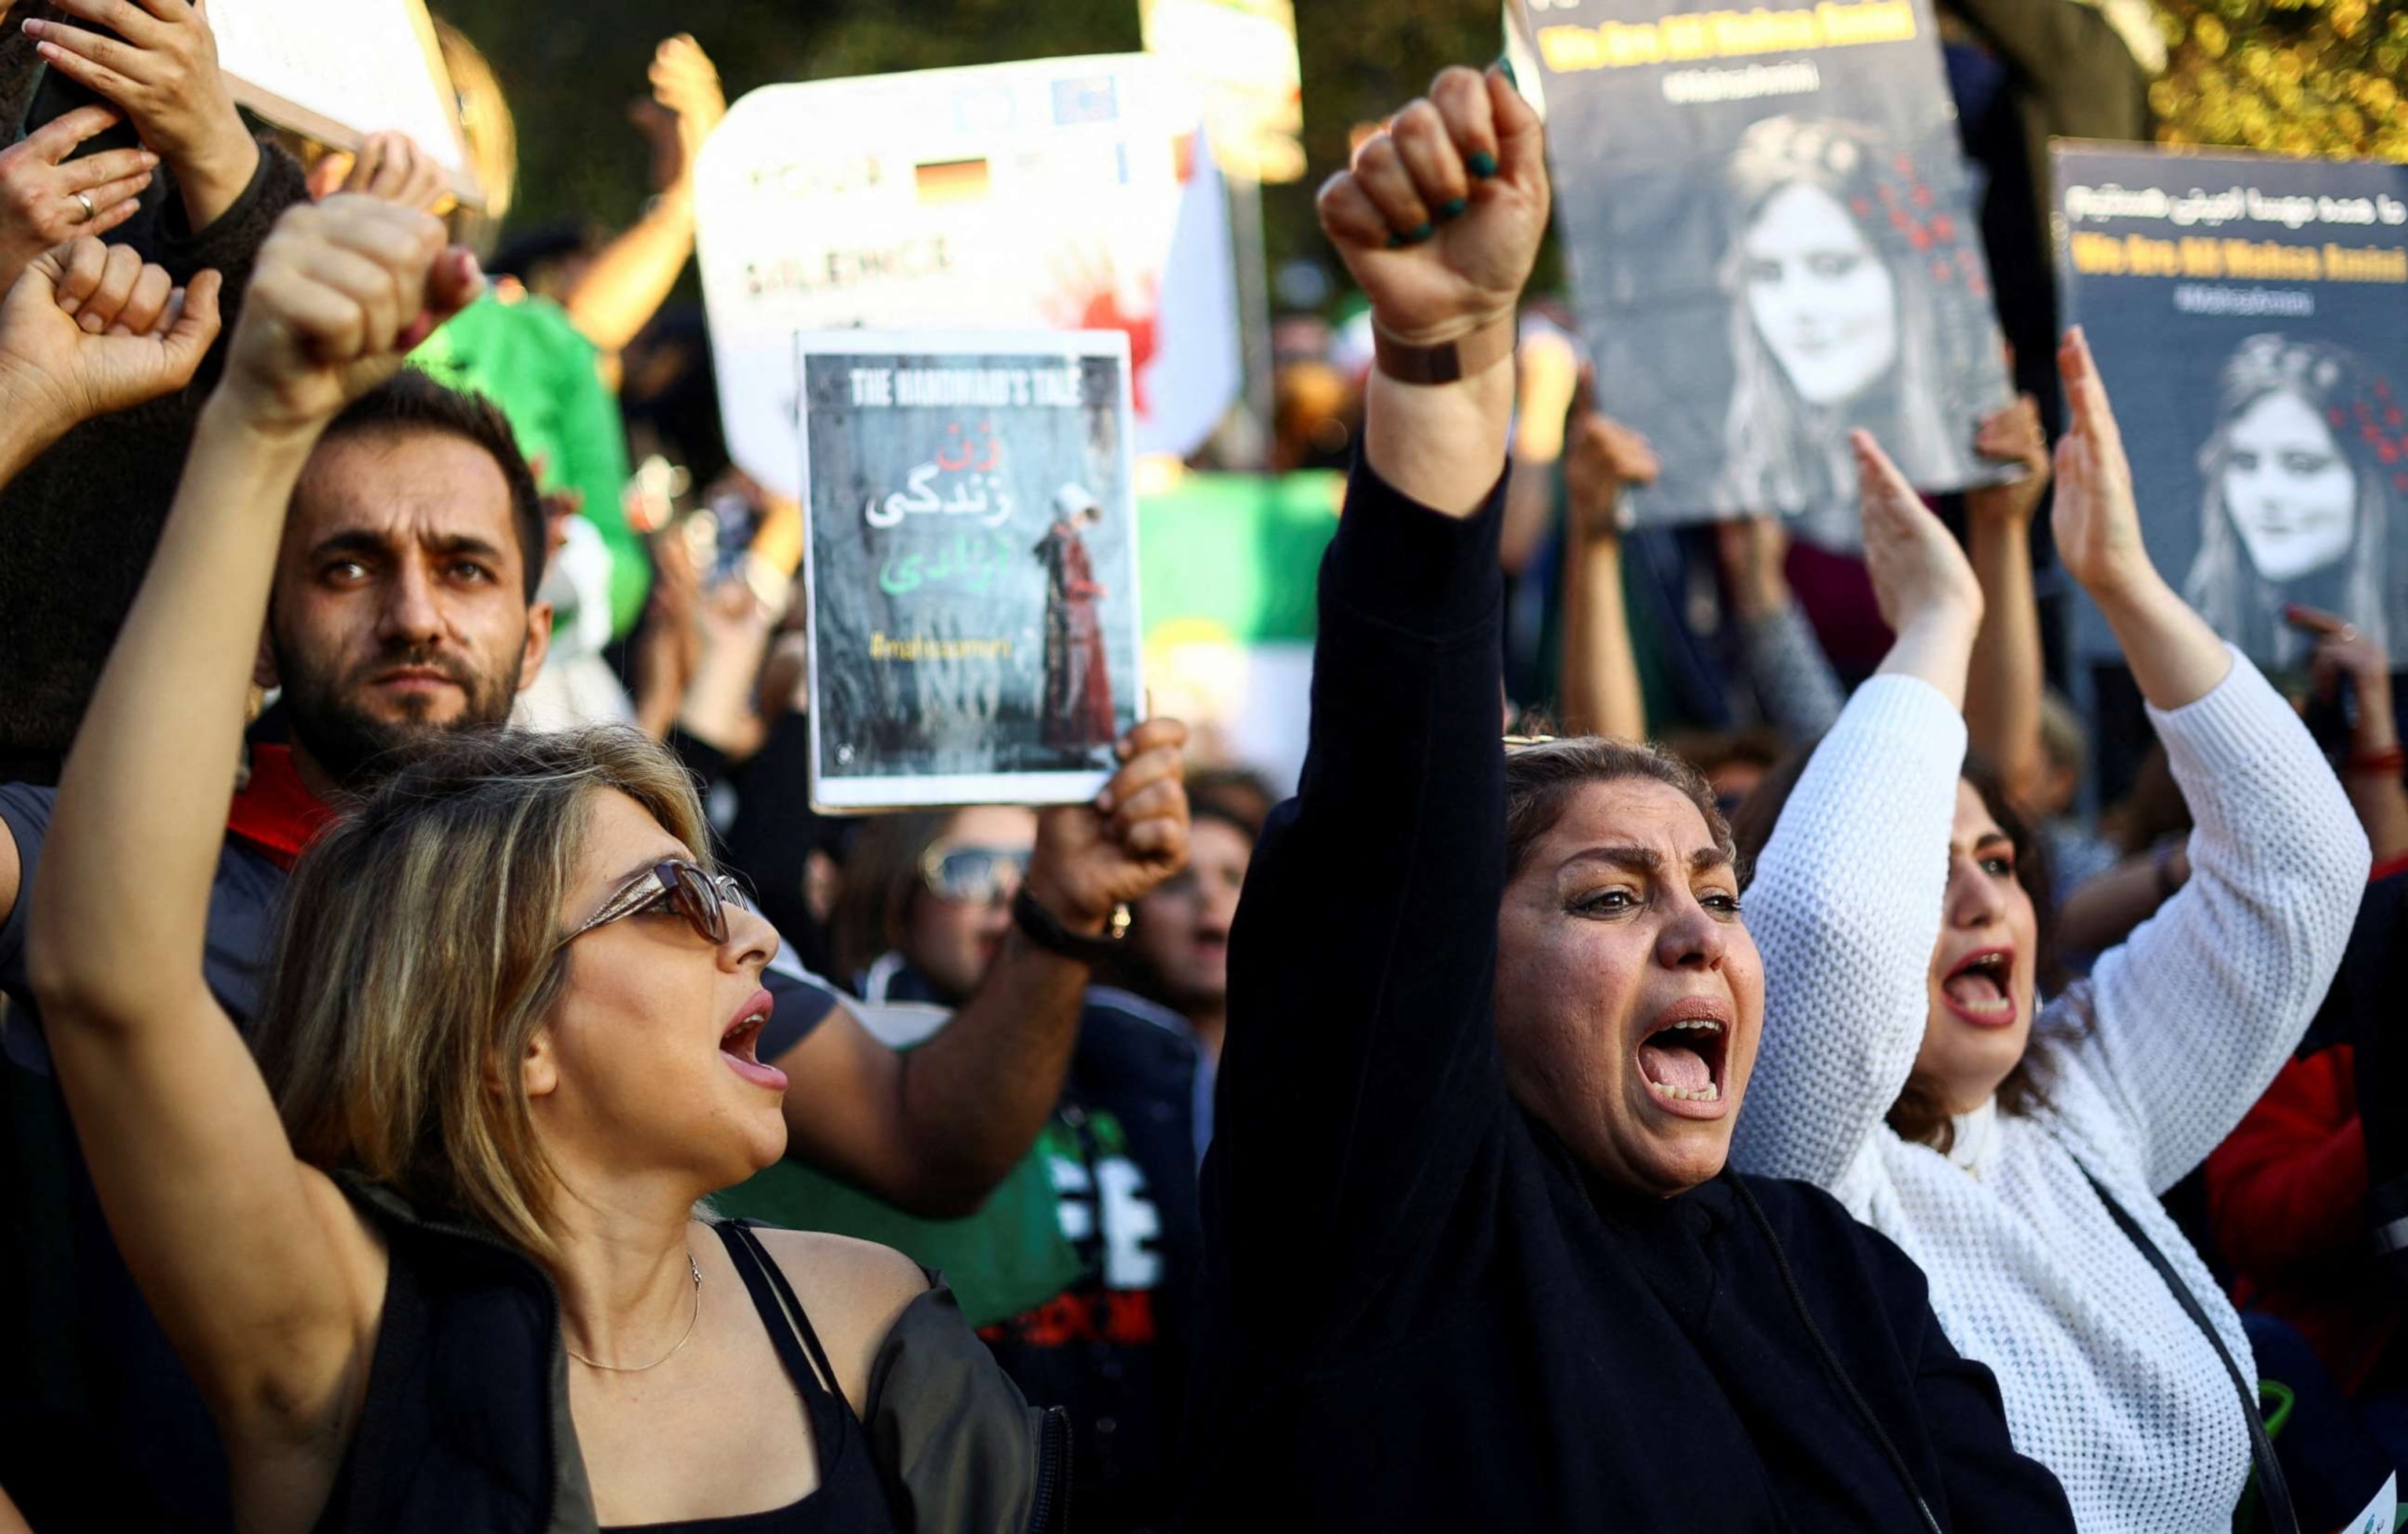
(80, 521)
(1425, 1313)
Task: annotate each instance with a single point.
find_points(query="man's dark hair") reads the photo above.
(412, 402)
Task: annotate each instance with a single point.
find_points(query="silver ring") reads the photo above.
(90, 212)
(2348, 633)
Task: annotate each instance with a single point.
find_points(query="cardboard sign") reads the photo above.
(1766, 217)
(970, 564)
(1060, 193)
(2250, 318)
(340, 73)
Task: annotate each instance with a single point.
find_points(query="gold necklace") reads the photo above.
(639, 1368)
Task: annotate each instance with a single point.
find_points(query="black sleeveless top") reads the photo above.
(850, 1499)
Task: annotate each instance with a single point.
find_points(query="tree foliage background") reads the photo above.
(2305, 77)
(570, 71)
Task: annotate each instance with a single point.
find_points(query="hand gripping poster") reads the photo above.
(1768, 226)
(970, 564)
(2250, 318)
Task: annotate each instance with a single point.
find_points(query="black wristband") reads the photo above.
(1043, 928)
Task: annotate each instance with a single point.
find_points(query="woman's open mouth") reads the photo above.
(1682, 1060)
(736, 1045)
(1978, 990)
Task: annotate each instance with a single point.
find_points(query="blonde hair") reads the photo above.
(421, 953)
(490, 133)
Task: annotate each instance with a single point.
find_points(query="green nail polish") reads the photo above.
(1505, 62)
(1482, 165)
(1414, 236)
(1454, 207)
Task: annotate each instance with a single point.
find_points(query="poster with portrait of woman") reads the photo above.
(2250, 318)
(1767, 221)
(971, 563)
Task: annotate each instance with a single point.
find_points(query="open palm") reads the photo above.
(2097, 520)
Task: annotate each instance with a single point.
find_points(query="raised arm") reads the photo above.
(934, 1130)
(1845, 905)
(2191, 1017)
(1600, 671)
(1794, 680)
(2003, 691)
(267, 1286)
(1361, 1073)
(624, 289)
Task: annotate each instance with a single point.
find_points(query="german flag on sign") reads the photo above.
(948, 182)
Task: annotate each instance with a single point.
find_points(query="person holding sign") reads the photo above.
(2016, 1144)
(1478, 1262)
(431, 1253)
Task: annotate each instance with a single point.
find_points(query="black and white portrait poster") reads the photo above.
(2250, 318)
(1766, 222)
(971, 563)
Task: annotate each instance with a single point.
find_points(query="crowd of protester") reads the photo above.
(454, 1079)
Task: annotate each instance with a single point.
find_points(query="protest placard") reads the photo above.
(970, 564)
(1765, 214)
(376, 68)
(2250, 318)
(1058, 194)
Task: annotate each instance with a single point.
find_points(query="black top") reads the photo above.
(1426, 1313)
(850, 1497)
(99, 1423)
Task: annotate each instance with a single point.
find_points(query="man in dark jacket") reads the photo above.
(1478, 1265)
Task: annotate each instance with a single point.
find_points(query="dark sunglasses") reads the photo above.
(973, 874)
(699, 896)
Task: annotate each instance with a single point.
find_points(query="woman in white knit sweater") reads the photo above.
(1894, 972)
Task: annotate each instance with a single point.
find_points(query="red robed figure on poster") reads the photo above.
(1078, 711)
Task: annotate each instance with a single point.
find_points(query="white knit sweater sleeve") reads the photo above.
(1845, 907)
(2192, 1015)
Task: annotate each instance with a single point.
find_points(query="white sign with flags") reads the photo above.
(1056, 193)
(379, 69)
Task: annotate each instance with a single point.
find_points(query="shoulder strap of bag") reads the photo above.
(2274, 1493)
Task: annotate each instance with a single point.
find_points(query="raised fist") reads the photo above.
(90, 330)
(1440, 215)
(342, 291)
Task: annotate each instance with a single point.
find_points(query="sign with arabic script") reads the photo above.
(1042, 194)
(2250, 318)
(970, 564)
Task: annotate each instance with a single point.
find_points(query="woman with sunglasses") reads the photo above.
(1105, 1332)
(434, 1259)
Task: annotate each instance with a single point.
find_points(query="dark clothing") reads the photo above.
(80, 521)
(466, 1423)
(100, 1424)
(1116, 1347)
(1426, 1313)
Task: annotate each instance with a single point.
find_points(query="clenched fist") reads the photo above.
(343, 290)
(1440, 215)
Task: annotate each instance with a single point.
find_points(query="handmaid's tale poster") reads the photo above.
(1769, 225)
(970, 564)
(2250, 318)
